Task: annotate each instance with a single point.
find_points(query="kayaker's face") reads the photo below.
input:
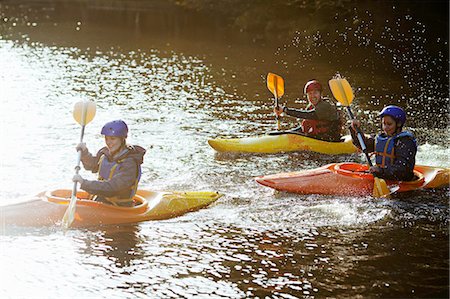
(389, 125)
(314, 96)
(113, 143)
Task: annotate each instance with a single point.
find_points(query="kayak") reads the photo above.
(48, 208)
(350, 179)
(282, 142)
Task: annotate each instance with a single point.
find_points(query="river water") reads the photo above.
(179, 78)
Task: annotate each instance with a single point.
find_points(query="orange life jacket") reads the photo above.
(314, 127)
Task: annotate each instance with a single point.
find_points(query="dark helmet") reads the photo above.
(117, 128)
(311, 85)
(395, 112)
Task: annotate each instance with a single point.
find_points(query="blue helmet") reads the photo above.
(117, 128)
(397, 113)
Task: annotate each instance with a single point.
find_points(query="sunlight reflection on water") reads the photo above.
(251, 243)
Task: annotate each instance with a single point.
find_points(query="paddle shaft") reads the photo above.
(83, 113)
(360, 137)
(277, 118)
(77, 167)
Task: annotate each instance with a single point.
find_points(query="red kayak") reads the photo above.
(350, 179)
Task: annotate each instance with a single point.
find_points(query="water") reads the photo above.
(175, 92)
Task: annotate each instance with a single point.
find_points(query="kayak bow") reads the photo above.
(350, 179)
(48, 208)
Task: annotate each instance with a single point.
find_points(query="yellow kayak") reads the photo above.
(48, 208)
(285, 142)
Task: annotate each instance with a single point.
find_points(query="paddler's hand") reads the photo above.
(376, 170)
(278, 110)
(81, 147)
(78, 179)
(354, 124)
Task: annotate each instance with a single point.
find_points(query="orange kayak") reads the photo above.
(48, 208)
(350, 179)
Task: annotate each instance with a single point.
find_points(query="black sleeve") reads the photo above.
(305, 114)
(404, 162)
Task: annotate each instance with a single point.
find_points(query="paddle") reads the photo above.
(343, 92)
(275, 84)
(83, 113)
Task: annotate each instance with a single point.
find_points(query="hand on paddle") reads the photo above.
(278, 110)
(81, 147)
(375, 170)
(354, 124)
(77, 179)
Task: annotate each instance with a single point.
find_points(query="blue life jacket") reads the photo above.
(385, 148)
(106, 172)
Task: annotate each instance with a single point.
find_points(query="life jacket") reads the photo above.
(314, 127)
(385, 148)
(106, 172)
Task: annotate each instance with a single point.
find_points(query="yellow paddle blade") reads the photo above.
(342, 91)
(84, 112)
(380, 188)
(275, 84)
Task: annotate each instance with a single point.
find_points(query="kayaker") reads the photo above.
(118, 166)
(321, 118)
(394, 148)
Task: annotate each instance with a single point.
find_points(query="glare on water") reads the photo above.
(252, 242)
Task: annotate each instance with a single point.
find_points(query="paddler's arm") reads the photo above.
(305, 114)
(89, 161)
(369, 141)
(323, 111)
(299, 113)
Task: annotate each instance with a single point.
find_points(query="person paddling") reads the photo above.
(321, 118)
(118, 166)
(394, 148)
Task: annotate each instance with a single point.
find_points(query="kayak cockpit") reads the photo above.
(62, 196)
(362, 171)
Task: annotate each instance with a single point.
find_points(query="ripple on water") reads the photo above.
(251, 243)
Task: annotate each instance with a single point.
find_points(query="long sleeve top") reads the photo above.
(327, 116)
(124, 177)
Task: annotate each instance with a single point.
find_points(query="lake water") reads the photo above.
(178, 79)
